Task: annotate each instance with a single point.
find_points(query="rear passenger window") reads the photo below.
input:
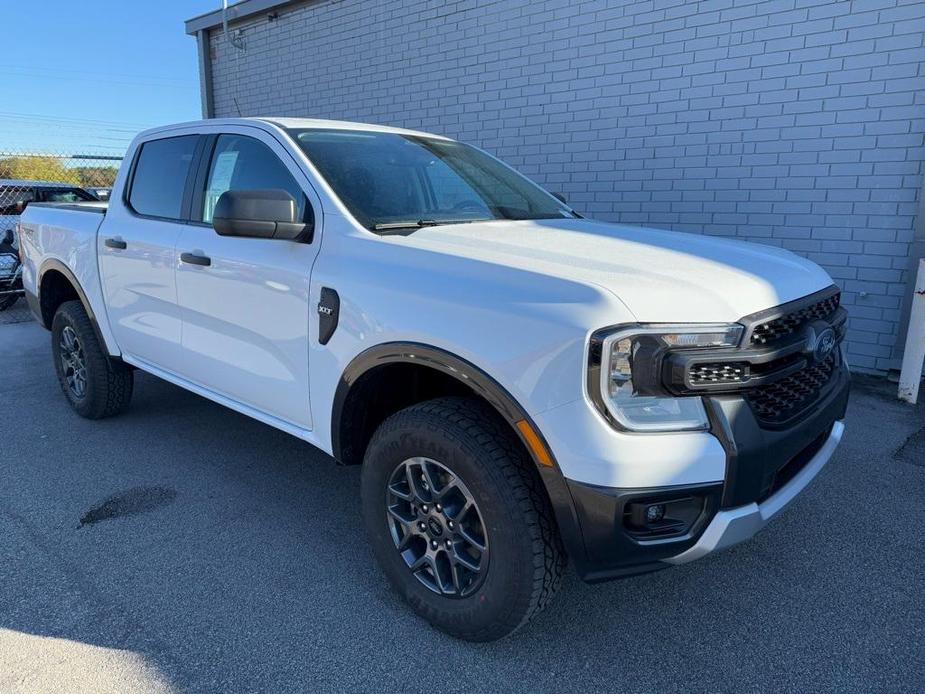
(160, 176)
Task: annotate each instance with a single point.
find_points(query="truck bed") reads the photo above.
(62, 238)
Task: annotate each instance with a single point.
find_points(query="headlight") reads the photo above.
(627, 384)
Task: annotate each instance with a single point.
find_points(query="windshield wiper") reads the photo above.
(405, 225)
(421, 223)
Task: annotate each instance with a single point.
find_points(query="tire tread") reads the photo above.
(496, 441)
(109, 381)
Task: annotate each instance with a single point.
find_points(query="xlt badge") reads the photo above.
(328, 312)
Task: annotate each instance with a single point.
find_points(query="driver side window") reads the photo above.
(243, 163)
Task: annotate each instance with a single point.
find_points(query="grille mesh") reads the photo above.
(781, 400)
(730, 372)
(765, 333)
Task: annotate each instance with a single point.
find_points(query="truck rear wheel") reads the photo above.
(96, 385)
(458, 519)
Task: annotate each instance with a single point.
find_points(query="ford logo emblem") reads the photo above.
(433, 525)
(820, 341)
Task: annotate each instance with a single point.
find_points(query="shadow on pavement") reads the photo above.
(256, 575)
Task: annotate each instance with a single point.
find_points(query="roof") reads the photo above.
(285, 123)
(238, 11)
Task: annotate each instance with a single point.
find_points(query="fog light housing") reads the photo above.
(663, 518)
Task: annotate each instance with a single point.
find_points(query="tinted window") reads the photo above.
(64, 195)
(160, 176)
(243, 163)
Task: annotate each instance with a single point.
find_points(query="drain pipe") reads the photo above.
(205, 73)
(914, 355)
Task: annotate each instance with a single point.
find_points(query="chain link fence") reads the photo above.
(27, 177)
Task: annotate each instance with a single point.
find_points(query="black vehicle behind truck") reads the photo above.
(16, 194)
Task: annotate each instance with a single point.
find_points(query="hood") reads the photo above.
(661, 276)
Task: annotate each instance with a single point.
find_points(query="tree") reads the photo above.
(38, 168)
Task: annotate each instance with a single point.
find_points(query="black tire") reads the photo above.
(107, 383)
(525, 556)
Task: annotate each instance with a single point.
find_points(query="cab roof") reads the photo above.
(286, 123)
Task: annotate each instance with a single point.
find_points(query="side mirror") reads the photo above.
(260, 214)
(8, 237)
(560, 197)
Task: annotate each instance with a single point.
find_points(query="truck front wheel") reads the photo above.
(95, 385)
(458, 519)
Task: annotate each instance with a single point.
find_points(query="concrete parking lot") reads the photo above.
(183, 547)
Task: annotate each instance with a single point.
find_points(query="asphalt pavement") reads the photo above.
(184, 547)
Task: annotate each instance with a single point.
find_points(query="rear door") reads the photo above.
(245, 301)
(137, 251)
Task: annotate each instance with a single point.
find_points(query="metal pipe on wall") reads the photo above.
(914, 355)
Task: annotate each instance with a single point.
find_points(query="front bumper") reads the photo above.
(735, 525)
(765, 469)
(628, 503)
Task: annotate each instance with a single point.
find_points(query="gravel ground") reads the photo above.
(183, 547)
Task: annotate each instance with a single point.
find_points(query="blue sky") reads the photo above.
(86, 76)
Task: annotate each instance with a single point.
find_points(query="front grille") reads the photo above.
(780, 401)
(728, 372)
(773, 330)
(776, 370)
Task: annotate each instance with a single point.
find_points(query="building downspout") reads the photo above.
(914, 355)
(916, 254)
(205, 73)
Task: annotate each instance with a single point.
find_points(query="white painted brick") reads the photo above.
(782, 122)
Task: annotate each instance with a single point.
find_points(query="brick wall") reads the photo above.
(796, 123)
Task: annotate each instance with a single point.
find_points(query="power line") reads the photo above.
(107, 73)
(98, 80)
(16, 124)
(71, 119)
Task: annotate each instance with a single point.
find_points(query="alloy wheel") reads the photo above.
(73, 362)
(437, 527)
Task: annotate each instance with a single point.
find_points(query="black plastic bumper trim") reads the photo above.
(755, 459)
(610, 549)
(755, 453)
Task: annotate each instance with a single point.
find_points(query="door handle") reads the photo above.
(118, 244)
(194, 259)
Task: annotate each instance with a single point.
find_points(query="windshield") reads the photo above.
(392, 181)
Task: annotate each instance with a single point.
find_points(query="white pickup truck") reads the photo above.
(520, 384)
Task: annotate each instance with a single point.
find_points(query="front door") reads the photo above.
(245, 301)
(137, 252)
